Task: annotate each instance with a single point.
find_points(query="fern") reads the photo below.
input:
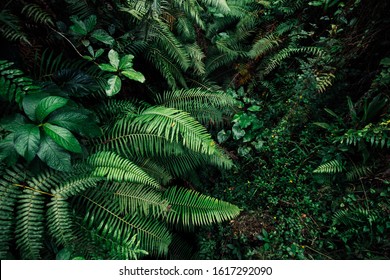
(206, 210)
(10, 27)
(114, 167)
(332, 167)
(356, 216)
(14, 85)
(38, 15)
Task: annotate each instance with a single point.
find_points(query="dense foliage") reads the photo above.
(111, 108)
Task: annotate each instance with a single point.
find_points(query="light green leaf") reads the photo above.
(62, 137)
(238, 132)
(27, 139)
(126, 62)
(114, 85)
(254, 108)
(134, 75)
(47, 105)
(113, 56)
(53, 155)
(107, 67)
(103, 36)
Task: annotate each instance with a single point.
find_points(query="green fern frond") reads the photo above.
(358, 172)
(175, 126)
(170, 70)
(165, 40)
(60, 221)
(332, 167)
(14, 85)
(154, 169)
(81, 9)
(323, 81)
(355, 216)
(116, 168)
(189, 208)
(106, 217)
(278, 58)
(139, 199)
(196, 56)
(264, 45)
(192, 12)
(216, 61)
(37, 14)
(10, 27)
(10, 193)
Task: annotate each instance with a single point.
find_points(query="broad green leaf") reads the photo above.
(78, 26)
(75, 121)
(254, 108)
(134, 75)
(222, 136)
(238, 132)
(103, 36)
(8, 153)
(99, 52)
(48, 105)
(90, 23)
(114, 85)
(30, 103)
(12, 123)
(53, 155)
(113, 56)
(62, 137)
(27, 139)
(107, 67)
(126, 62)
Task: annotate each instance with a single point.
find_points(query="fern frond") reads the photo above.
(196, 56)
(14, 85)
(139, 199)
(10, 27)
(221, 5)
(37, 14)
(114, 167)
(165, 40)
(358, 172)
(60, 221)
(190, 208)
(278, 58)
(106, 217)
(175, 126)
(264, 45)
(332, 167)
(355, 216)
(8, 200)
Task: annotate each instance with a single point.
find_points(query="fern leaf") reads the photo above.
(332, 167)
(107, 219)
(190, 208)
(114, 167)
(36, 13)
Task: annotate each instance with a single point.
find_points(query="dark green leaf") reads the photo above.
(75, 121)
(27, 139)
(30, 103)
(53, 155)
(62, 137)
(12, 123)
(103, 36)
(238, 132)
(48, 105)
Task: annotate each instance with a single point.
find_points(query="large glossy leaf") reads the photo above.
(76, 122)
(48, 105)
(30, 103)
(103, 36)
(113, 56)
(126, 62)
(107, 67)
(134, 75)
(27, 139)
(62, 137)
(53, 155)
(114, 85)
